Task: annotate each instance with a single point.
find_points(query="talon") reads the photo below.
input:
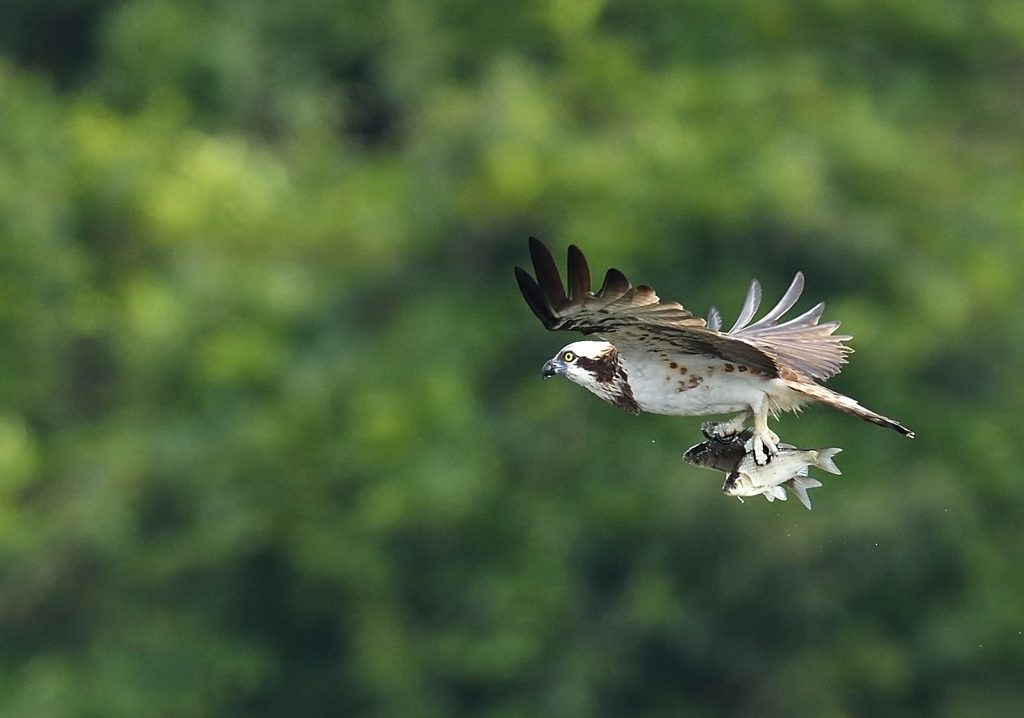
(764, 447)
(725, 429)
(761, 458)
(717, 430)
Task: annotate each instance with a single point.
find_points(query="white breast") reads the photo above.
(690, 385)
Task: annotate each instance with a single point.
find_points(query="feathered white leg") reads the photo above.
(765, 442)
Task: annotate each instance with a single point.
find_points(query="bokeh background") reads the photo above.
(273, 437)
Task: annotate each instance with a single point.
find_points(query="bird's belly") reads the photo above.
(695, 386)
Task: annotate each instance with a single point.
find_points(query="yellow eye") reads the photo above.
(568, 357)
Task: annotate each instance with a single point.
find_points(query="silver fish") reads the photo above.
(787, 468)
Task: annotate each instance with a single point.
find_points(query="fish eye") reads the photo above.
(568, 357)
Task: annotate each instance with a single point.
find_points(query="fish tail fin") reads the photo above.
(823, 460)
(799, 486)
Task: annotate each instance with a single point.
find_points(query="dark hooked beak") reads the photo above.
(552, 368)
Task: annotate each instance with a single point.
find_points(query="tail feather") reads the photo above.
(845, 403)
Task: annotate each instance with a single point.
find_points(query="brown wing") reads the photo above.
(617, 302)
(623, 313)
(635, 315)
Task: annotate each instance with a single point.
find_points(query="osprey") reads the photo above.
(664, 360)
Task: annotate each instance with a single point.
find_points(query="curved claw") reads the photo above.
(764, 446)
(725, 429)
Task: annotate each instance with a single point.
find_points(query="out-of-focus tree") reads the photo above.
(272, 435)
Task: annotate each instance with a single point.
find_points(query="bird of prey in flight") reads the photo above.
(660, 358)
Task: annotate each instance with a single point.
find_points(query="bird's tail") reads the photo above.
(845, 403)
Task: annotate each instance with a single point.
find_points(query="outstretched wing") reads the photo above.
(635, 315)
(617, 303)
(800, 344)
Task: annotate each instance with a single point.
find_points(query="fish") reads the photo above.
(719, 453)
(787, 469)
(798, 485)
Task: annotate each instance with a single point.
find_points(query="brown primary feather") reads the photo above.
(579, 274)
(616, 303)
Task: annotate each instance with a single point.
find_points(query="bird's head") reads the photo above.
(594, 366)
(583, 362)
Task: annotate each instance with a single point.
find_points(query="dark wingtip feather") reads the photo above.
(547, 274)
(579, 273)
(615, 284)
(534, 297)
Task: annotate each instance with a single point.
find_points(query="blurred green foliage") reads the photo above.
(273, 439)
